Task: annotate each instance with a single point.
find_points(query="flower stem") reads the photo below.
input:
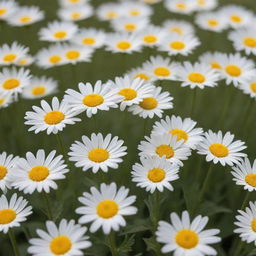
(246, 199)
(13, 242)
(193, 103)
(112, 244)
(48, 206)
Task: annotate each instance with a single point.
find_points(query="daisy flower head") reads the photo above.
(151, 1)
(249, 87)
(67, 239)
(176, 44)
(13, 212)
(184, 129)
(40, 87)
(198, 75)
(219, 147)
(97, 152)
(205, 5)
(57, 31)
(92, 98)
(38, 172)
(184, 237)
(161, 68)
(154, 105)
(52, 118)
(7, 8)
(71, 3)
(90, 37)
(155, 173)
(139, 73)
(24, 61)
(6, 164)
(10, 54)
(109, 11)
(180, 6)
(132, 91)
(124, 42)
(178, 27)
(24, 16)
(136, 9)
(237, 69)
(164, 145)
(213, 59)
(106, 207)
(6, 98)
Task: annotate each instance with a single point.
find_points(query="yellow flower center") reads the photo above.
(219, 150)
(2, 100)
(75, 15)
(165, 150)
(111, 15)
(134, 12)
(181, 6)
(148, 103)
(54, 117)
(3, 171)
(107, 209)
(74, 1)
(251, 179)
(156, 175)
(215, 65)
(187, 239)
(123, 45)
(11, 83)
(98, 155)
(72, 54)
(142, 76)
(150, 39)
(250, 42)
(60, 245)
(236, 18)
(60, 34)
(196, 77)
(253, 225)
(89, 41)
(177, 45)
(38, 90)
(23, 62)
(130, 27)
(93, 100)
(55, 59)
(253, 87)
(7, 216)
(129, 94)
(233, 70)
(176, 30)
(162, 71)
(2, 11)
(38, 173)
(181, 135)
(213, 23)
(25, 19)
(10, 57)
(201, 2)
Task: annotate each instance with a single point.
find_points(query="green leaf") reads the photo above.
(126, 245)
(210, 208)
(140, 225)
(152, 245)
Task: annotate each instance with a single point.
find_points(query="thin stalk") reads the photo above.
(61, 146)
(246, 199)
(48, 206)
(112, 244)
(193, 102)
(13, 242)
(145, 126)
(247, 116)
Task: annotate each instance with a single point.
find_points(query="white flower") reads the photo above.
(75, 13)
(205, 5)
(6, 98)
(7, 8)
(212, 59)
(135, 9)
(249, 87)
(109, 11)
(70, 3)
(180, 6)
(24, 61)
(178, 27)
(139, 73)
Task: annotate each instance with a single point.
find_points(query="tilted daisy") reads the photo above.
(25, 16)
(185, 129)
(184, 237)
(24, 61)
(212, 59)
(178, 27)
(97, 152)
(139, 73)
(6, 163)
(106, 207)
(136, 9)
(198, 75)
(219, 147)
(52, 118)
(109, 11)
(180, 6)
(91, 98)
(176, 44)
(245, 174)
(13, 212)
(161, 68)
(154, 105)
(40, 87)
(7, 8)
(6, 98)
(205, 5)
(249, 87)
(132, 90)
(70, 3)
(165, 145)
(38, 172)
(67, 239)
(155, 173)
(57, 31)
(246, 223)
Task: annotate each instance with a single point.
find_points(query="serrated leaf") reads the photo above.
(126, 245)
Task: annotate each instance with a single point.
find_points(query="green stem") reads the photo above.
(193, 103)
(145, 126)
(239, 248)
(63, 151)
(13, 242)
(246, 199)
(95, 122)
(112, 244)
(247, 116)
(48, 206)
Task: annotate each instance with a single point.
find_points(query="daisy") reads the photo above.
(90, 37)
(7, 8)
(151, 1)
(109, 11)
(24, 61)
(97, 152)
(6, 98)
(70, 3)
(6, 163)
(38, 172)
(155, 173)
(40, 87)
(92, 98)
(246, 223)
(176, 44)
(198, 75)
(13, 212)
(123, 42)
(180, 6)
(183, 128)
(154, 105)
(161, 68)
(249, 87)
(184, 237)
(24, 16)
(139, 73)
(205, 5)
(165, 145)
(178, 27)
(133, 91)
(106, 207)
(135, 9)
(213, 59)
(50, 118)
(237, 69)
(221, 148)
(67, 239)
(57, 31)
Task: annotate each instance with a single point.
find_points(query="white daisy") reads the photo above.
(13, 212)
(109, 11)
(178, 27)
(212, 59)
(221, 148)
(106, 207)
(205, 5)
(139, 73)
(50, 118)
(97, 152)
(180, 6)
(70, 3)
(136, 9)
(7, 8)
(6, 98)
(183, 128)
(184, 237)
(67, 239)
(24, 61)
(249, 87)
(151, 1)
